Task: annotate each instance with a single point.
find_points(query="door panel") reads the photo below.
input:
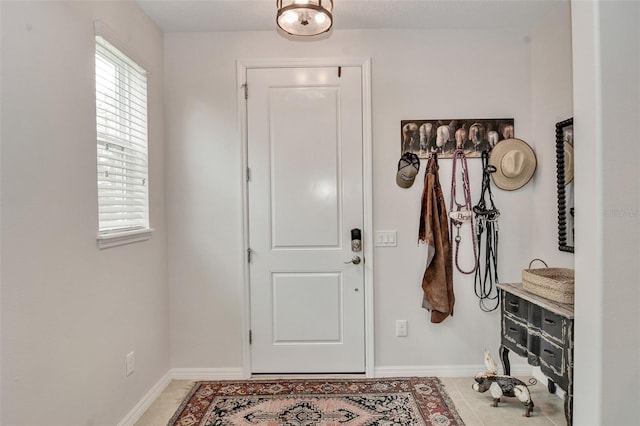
(305, 195)
(307, 308)
(299, 191)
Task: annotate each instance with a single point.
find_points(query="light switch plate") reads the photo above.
(386, 239)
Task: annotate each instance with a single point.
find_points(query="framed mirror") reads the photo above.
(565, 181)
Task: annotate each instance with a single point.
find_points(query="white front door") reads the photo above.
(305, 150)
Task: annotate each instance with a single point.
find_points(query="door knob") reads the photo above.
(356, 260)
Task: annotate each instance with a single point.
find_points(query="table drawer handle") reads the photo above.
(548, 321)
(514, 304)
(513, 329)
(548, 352)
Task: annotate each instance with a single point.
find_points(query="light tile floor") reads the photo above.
(474, 407)
(476, 410)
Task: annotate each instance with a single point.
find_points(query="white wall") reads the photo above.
(606, 49)
(552, 97)
(67, 321)
(71, 312)
(415, 74)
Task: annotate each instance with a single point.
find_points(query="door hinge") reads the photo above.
(250, 336)
(249, 252)
(248, 174)
(245, 86)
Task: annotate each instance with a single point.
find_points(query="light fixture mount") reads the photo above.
(304, 17)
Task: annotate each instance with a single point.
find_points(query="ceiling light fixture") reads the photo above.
(305, 17)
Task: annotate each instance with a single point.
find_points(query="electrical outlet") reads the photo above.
(131, 363)
(401, 328)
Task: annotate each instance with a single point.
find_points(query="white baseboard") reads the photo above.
(208, 373)
(178, 374)
(146, 401)
(443, 370)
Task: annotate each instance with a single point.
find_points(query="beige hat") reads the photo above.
(515, 164)
(408, 168)
(568, 163)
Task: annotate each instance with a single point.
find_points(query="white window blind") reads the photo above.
(121, 118)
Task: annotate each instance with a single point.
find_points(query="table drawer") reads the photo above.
(552, 360)
(553, 325)
(514, 305)
(514, 335)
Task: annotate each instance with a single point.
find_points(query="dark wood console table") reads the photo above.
(542, 331)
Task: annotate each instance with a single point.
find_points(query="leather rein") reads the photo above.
(487, 225)
(461, 213)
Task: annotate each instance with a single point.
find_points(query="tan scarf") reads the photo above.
(437, 282)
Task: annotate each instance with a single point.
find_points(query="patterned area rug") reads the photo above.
(410, 401)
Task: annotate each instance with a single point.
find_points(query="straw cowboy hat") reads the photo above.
(515, 164)
(568, 163)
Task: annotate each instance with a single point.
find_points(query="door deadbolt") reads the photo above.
(356, 240)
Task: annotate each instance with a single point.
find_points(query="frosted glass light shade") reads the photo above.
(305, 17)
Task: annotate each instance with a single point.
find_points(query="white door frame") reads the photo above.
(367, 187)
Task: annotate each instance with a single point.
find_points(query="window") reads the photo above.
(121, 119)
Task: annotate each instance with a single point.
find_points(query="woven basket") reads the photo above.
(555, 284)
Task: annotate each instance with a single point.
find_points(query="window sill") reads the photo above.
(121, 238)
